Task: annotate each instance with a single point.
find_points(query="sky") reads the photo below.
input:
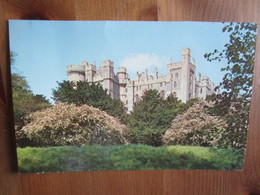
(44, 48)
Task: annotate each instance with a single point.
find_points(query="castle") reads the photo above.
(180, 80)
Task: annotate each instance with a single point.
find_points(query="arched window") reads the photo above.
(176, 75)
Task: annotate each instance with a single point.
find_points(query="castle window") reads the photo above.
(175, 84)
(200, 90)
(176, 75)
(174, 94)
(160, 84)
(136, 98)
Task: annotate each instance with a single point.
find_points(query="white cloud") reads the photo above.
(139, 62)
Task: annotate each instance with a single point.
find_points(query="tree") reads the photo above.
(21, 95)
(151, 117)
(147, 119)
(234, 100)
(24, 101)
(196, 127)
(92, 94)
(68, 124)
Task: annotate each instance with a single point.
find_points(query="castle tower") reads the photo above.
(122, 78)
(187, 76)
(75, 73)
(90, 71)
(107, 70)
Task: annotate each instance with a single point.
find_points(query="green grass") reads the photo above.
(133, 157)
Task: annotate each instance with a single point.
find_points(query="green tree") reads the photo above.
(147, 119)
(234, 100)
(152, 115)
(24, 103)
(21, 95)
(92, 94)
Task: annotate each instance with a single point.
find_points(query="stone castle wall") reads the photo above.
(180, 80)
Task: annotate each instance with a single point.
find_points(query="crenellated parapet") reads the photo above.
(76, 72)
(75, 68)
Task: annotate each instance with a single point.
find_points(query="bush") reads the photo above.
(132, 157)
(68, 124)
(196, 127)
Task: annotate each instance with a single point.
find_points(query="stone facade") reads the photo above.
(180, 80)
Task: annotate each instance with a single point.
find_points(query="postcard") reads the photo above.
(128, 95)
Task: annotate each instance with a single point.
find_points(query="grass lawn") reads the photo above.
(132, 157)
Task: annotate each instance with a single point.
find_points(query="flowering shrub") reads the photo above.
(196, 127)
(68, 124)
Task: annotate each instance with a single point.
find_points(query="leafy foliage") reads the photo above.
(234, 101)
(133, 157)
(24, 101)
(92, 94)
(68, 124)
(151, 116)
(195, 127)
(21, 95)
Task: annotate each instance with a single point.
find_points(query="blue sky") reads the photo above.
(45, 48)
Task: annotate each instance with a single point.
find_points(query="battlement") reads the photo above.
(121, 70)
(75, 68)
(205, 78)
(186, 51)
(108, 63)
(90, 67)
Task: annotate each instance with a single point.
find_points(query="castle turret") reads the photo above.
(90, 71)
(122, 78)
(187, 76)
(155, 73)
(107, 72)
(76, 73)
(121, 74)
(199, 77)
(186, 55)
(108, 69)
(205, 78)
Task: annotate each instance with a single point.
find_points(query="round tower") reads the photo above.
(205, 78)
(76, 72)
(121, 75)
